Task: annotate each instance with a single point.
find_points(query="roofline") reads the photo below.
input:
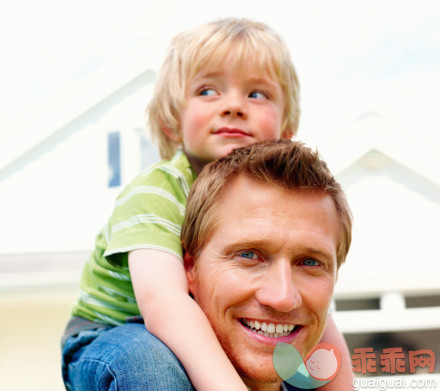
(137, 64)
(59, 135)
(375, 133)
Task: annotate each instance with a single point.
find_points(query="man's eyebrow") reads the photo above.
(247, 244)
(316, 252)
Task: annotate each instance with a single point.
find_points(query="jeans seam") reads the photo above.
(107, 366)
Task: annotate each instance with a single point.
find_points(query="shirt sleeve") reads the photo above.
(148, 214)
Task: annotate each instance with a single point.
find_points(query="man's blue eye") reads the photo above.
(310, 262)
(208, 92)
(248, 254)
(257, 95)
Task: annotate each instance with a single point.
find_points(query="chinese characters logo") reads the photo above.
(392, 360)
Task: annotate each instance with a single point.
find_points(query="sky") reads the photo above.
(352, 57)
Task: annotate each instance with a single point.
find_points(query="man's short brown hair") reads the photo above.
(282, 163)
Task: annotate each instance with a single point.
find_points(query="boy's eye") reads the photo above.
(208, 92)
(258, 95)
(310, 262)
(248, 254)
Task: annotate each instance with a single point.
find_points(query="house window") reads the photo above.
(148, 153)
(114, 159)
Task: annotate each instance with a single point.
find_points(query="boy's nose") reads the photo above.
(233, 113)
(278, 290)
(234, 107)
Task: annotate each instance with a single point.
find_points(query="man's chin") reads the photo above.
(254, 378)
(256, 370)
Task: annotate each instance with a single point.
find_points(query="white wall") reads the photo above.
(59, 201)
(396, 213)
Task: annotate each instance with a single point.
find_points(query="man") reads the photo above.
(265, 232)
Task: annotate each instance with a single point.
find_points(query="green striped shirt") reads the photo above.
(147, 214)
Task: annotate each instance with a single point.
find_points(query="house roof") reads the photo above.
(26, 138)
(373, 140)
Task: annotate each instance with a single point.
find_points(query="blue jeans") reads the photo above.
(124, 358)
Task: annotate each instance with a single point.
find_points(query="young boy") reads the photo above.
(223, 85)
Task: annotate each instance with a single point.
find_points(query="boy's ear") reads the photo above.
(287, 134)
(170, 134)
(188, 262)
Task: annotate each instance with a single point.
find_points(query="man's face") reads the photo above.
(269, 264)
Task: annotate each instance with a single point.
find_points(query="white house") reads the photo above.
(58, 181)
(393, 186)
(58, 184)
(388, 292)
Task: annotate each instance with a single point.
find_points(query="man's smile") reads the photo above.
(269, 333)
(272, 330)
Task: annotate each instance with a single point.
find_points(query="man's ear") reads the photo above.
(169, 133)
(188, 262)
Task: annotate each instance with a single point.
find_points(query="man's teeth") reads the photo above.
(269, 329)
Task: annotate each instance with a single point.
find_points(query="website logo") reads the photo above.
(319, 367)
(392, 360)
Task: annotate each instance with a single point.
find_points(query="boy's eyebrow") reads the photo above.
(202, 74)
(258, 80)
(265, 80)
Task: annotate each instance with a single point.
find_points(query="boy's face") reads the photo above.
(228, 109)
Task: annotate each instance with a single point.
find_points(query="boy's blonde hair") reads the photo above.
(208, 46)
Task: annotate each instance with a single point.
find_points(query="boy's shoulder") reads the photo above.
(166, 173)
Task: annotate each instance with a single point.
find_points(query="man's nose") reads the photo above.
(278, 289)
(234, 106)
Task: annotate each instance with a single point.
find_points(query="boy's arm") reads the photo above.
(344, 379)
(161, 290)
